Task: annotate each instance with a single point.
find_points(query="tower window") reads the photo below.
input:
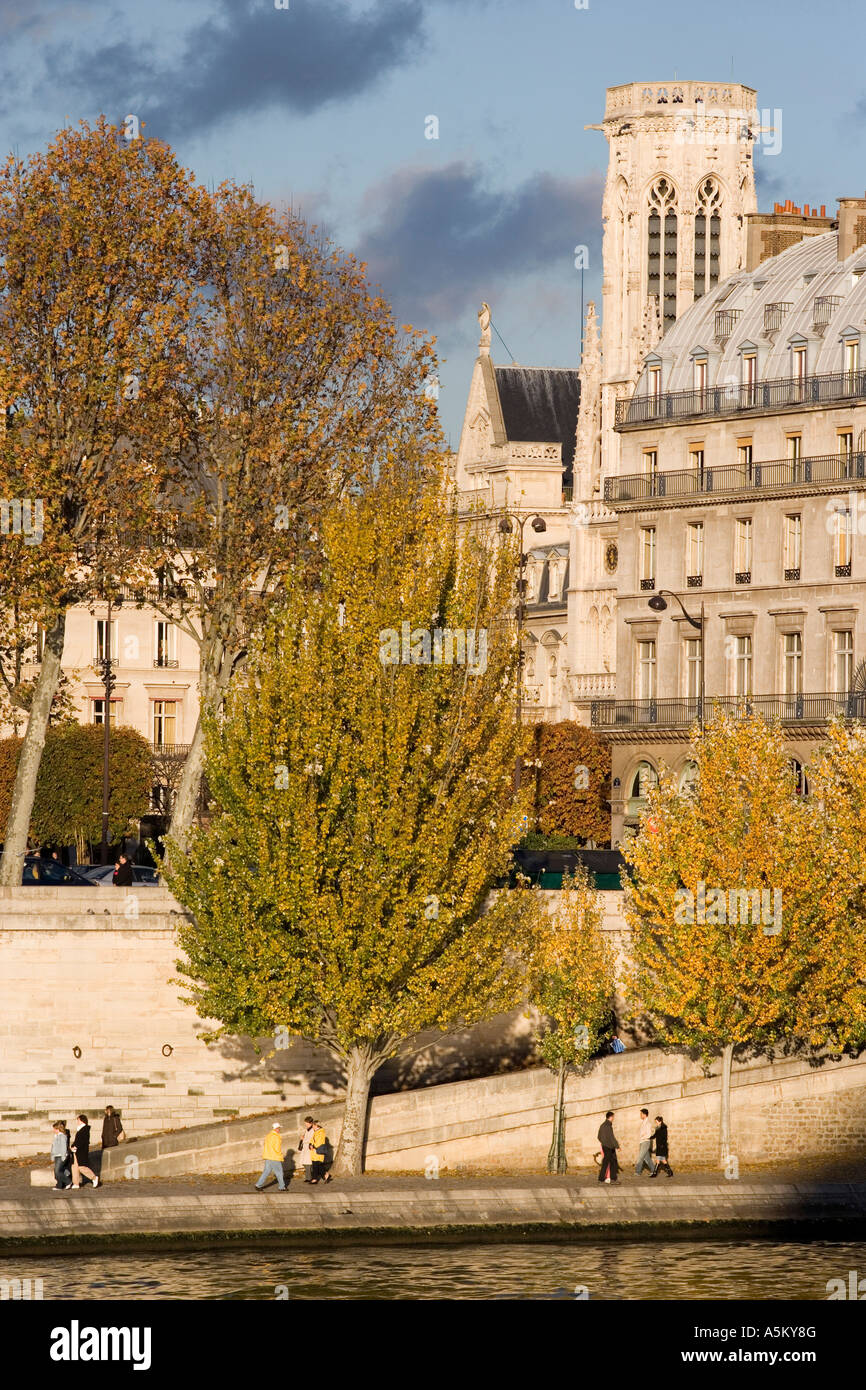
(662, 249)
(707, 237)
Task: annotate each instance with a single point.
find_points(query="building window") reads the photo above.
(707, 237)
(792, 541)
(852, 355)
(696, 463)
(646, 670)
(648, 557)
(795, 447)
(798, 364)
(662, 249)
(115, 712)
(694, 553)
(792, 675)
(842, 542)
(645, 778)
(650, 459)
(843, 661)
(102, 639)
(743, 550)
(692, 668)
(743, 666)
(165, 644)
(654, 381)
(164, 723)
(700, 374)
(750, 377)
(744, 458)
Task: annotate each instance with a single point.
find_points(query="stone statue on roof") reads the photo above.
(484, 323)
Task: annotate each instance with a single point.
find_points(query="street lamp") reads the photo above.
(538, 525)
(658, 605)
(108, 684)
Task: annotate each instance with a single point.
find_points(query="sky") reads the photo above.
(326, 106)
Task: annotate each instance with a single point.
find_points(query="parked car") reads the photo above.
(50, 872)
(102, 874)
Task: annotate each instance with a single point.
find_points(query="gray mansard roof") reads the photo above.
(805, 272)
(539, 405)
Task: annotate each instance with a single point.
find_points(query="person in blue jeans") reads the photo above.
(60, 1155)
(272, 1152)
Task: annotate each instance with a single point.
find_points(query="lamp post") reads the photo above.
(538, 525)
(108, 685)
(658, 605)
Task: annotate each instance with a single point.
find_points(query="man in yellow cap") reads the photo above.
(272, 1150)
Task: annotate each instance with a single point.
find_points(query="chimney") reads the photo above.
(852, 226)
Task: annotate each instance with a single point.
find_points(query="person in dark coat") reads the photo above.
(123, 875)
(81, 1153)
(112, 1126)
(660, 1148)
(609, 1169)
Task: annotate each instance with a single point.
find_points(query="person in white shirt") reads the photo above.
(645, 1142)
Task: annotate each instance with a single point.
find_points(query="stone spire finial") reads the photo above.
(484, 322)
(587, 441)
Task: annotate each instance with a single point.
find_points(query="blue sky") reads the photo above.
(323, 105)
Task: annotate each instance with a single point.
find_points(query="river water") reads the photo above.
(608, 1269)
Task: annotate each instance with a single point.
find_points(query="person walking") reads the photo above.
(645, 1138)
(81, 1154)
(60, 1157)
(609, 1169)
(272, 1152)
(112, 1129)
(660, 1145)
(123, 876)
(318, 1148)
(305, 1159)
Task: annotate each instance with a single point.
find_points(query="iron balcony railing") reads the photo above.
(736, 477)
(683, 712)
(774, 314)
(740, 398)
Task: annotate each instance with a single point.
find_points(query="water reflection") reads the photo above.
(612, 1269)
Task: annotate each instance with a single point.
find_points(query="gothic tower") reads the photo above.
(680, 182)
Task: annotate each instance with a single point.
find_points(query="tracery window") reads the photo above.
(708, 226)
(662, 248)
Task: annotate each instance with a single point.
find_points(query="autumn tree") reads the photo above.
(67, 808)
(741, 937)
(572, 982)
(299, 389)
(99, 276)
(573, 784)
(362, 777)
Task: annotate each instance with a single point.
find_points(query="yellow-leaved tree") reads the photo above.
(362, 775)
(741, 929)
(572, 981)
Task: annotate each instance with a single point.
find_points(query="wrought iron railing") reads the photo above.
(737, 398)
(683, 712)
(774, 314)
(736, 477)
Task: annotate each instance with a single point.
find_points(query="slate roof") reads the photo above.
(539, 405)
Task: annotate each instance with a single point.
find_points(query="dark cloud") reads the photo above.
(442, 240)
(250, 56)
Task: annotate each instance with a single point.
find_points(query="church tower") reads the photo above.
(680, 183)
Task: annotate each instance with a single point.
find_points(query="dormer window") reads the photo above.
(851, 354)
(701, 374)
(749, 371)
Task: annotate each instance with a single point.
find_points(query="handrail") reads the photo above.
(736, 477)
(736, 398)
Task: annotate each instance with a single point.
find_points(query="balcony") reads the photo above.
(774, 315)
(725, 322)
(822, 471)
(622, 715)
(165, 663)
(748, 398)
(823, 310)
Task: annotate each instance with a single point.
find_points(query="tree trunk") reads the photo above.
(30, 757)
(556, 1159)
(362, 1067)
(725, 1105)
(185, 801)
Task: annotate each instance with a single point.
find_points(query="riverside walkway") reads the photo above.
(210, 1210)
